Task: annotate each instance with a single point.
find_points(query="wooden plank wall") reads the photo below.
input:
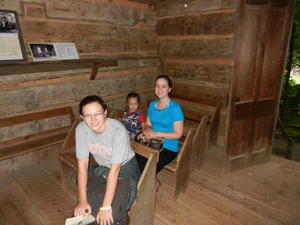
(114, 29)
(196, 50)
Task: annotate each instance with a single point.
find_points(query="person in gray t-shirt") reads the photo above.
(107, 140)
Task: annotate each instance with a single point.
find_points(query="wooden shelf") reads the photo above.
(56, 65)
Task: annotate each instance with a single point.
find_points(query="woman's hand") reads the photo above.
(149, 133)
(82, 209)
(104, 217)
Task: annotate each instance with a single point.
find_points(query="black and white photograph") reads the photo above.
(8, 23)
(12, 47)
(42, 51)
(53, 51)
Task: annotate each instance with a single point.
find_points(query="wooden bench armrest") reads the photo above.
(182, 172)
(69, 158)
(69, 142)
(141, 149)
(213, 126)
(143, 209)
(200, 144)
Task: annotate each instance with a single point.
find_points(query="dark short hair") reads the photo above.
(90, 99)
(167, 78)
(134, 95)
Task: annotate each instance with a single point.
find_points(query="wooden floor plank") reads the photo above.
(191, 199)
(160, 221)
(225, 187)
(220, 209)
(16, 208)
(52, 168)
(46, 195)
(173, 211)
(262, 195)
(271, 183)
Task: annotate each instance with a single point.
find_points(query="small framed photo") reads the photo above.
(42, 51)
(53, 51)
(11, 41)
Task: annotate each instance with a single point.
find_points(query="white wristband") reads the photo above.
(105, 208)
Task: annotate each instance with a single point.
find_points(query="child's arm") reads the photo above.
(142, 121)
(143, 126)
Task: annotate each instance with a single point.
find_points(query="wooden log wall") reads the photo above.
(196, 50)
(119, 30)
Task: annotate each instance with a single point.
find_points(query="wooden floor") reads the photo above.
(260, 195)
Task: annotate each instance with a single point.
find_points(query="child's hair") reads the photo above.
(134, 95)
(90, 99)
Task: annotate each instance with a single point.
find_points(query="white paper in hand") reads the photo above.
(80, 220)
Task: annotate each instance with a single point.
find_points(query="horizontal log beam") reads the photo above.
(199, 48)
(48, 66)
(197, 24)
(206, 74)
(171, 7)
(90, 37)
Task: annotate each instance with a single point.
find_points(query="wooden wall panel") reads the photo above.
(210, 74)
(117, 12)
(213, 23)
(45, 96)
(197, 48)
(101, 11)
(90, 37)
(119, 31)
(96, 27)
(171, 7)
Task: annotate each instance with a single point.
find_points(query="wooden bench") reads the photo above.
(206, 124)
(203, 128)
(192, 147)
(32, 142)
(143, 209)
(182, 164)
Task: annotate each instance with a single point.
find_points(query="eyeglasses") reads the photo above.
(96, 116)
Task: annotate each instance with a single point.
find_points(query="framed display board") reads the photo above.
(53, 51)
(11, 42)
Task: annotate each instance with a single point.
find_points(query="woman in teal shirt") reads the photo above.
(165, 119)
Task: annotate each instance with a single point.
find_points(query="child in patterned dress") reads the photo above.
(133, 118)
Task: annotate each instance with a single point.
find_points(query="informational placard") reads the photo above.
(53, 51)
(66, 51)
(11, 41)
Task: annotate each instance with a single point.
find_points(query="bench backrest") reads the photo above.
(37, 115)
(143, 209)
(183, 166)
(26, 143)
